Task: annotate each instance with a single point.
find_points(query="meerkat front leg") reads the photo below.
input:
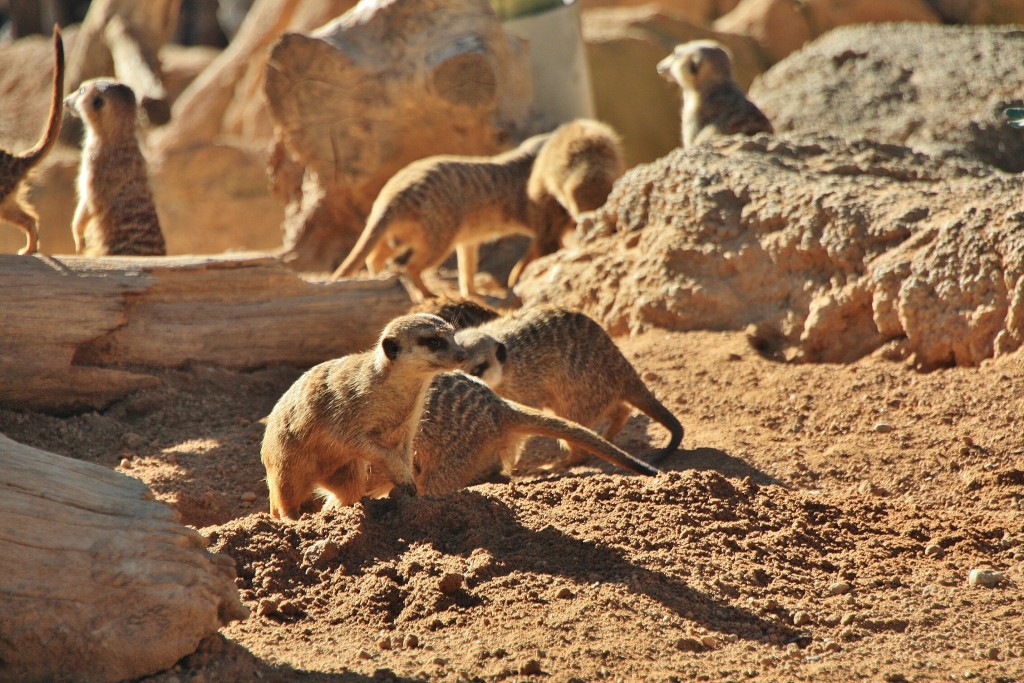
(468, 256)
(394, 465)
(78, 224)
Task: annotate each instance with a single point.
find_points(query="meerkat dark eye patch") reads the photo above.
(433, 343)
(479, 370)
(693, 65)
(501, 353)
(97, 102)
(391, 347)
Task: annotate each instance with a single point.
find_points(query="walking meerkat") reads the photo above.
(467, 432)
(349, 418)
(577, 167)
(115, 215)
(561, 360)
(442, 203)
(14, 168)
(712, 102)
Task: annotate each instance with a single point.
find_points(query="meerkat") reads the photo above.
(442, 203)
(712, 102)
(563, 361)
(14, 168)
(467, 431)
(351, 418)
(115, 215)
(577, 167)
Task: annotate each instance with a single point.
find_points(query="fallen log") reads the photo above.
(80, 332)
(99, 581)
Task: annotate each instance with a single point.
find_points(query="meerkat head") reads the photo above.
(486, 356)
(421, 343)
(107, 106)
(697, 64)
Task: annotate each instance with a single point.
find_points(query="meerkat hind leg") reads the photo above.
(14, 213)
(468, 257)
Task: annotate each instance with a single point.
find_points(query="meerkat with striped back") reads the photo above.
(561, 360)
(116, 215)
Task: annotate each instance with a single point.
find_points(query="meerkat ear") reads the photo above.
(391, 347)
(501, 353)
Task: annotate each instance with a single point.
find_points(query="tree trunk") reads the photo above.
(79, 332)
(99, 581)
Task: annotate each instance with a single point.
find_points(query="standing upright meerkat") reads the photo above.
(554, 358)
(577, 167)
(442, 203)
(115, 215)
(351, 418)
(712, 102)
(14, 168)
(467, 432)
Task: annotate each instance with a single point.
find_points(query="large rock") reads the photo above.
(624, 46)
(382, 86)
(935, 88)
(829, 248)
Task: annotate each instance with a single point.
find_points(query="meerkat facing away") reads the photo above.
(467, 432)
(577, 167)
(713, 103)
(115, 215)
(442, 203)
(14, 168)
(561, 360)
(349, 418)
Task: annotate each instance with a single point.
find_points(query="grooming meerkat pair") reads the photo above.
(115, 213)
(713, 104)
(14, 168)
(441, 203)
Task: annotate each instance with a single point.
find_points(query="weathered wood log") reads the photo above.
(79, 332)
(383, 85)
(99, 581)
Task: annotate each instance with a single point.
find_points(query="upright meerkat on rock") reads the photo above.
(577, 168)
(348, 419)
(14, 168)
(561, 360)
(467, 432)
(442, 203)
(115, 215)
(712, 102)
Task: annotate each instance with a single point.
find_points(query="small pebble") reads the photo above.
(840, 588)
(450, 583)
(363, 654)
(384, 643)
(248, 497)
(984, 577)
(412, 642)
(688, 644)
(801, 618)
(564, 593)
(709, 642)
(531, 668)
(125, 463)
(171, 459)
(266, 607)
(934, 550)
(440, 661)
(883, 427)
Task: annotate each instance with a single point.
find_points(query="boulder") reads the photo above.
(624, 46)
(827, 248)
(363, 96)
(907, 84)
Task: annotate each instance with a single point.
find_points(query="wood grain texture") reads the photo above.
(79, 332)
(100, 582)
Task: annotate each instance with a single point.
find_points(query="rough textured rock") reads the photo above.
(101, 583)
(624, 45)
(934, 88)
(384, 85)
(980, 11)
(783, 26)
(830, 248)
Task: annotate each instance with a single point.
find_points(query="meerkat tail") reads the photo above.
(49, 138)
(650, 406)
(532, 421)
(371, 235)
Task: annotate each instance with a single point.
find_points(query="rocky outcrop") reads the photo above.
(827, 248)
(940, 89)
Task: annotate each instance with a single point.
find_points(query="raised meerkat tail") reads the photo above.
(371, 235)
(650, 406)
(535, 422)
(35, 155)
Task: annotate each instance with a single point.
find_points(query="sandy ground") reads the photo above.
(820, 524)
